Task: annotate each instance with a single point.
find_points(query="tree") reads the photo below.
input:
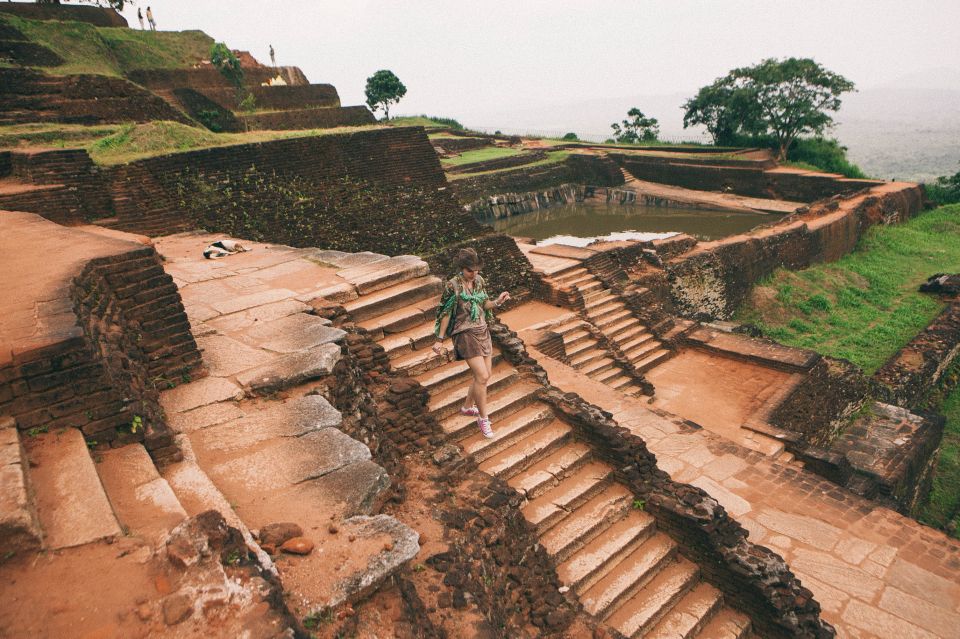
(781, 98)
(570, 137)
(227, 63)
(383, 89)
(638, 128)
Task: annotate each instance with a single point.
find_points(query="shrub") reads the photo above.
(945, 190)
(572, 137)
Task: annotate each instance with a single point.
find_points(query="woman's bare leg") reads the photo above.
(481, 375)
(468, 401)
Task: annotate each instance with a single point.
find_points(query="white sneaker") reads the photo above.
(484, 424)
(473, 411)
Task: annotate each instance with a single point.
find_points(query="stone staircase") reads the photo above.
(587, 355)
(608, 550)
(604, 309)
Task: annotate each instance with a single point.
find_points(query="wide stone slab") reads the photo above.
(208, 390)
(292, 418)
(265, 313)
(71, 504)
(19, 528)
(378, 275)
(347, 260)
(289, 461)
(291, 370)
(226, 357)
(355, 489)
(292, 334)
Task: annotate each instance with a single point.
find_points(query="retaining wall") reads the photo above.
(320, 118)
(75, 188)
(713, 279)
(278, 97)
(741, 177)
(209, 76)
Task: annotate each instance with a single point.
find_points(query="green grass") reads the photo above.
(553, 157)
(865, 306)
(113, 51)
(53, 135)
(427, 121)
(131, 142)
(942, 508)
(481, 155)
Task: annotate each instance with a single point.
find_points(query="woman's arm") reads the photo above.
(443, 327)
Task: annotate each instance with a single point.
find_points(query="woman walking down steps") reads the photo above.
(462, 315)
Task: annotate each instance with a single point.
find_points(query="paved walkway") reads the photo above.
(875, 572)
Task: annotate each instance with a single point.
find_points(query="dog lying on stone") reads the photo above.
(223, 248)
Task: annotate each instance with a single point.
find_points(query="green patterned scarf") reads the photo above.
(448, 303)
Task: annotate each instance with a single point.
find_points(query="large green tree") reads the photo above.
(780, 98)
(383, 89)
(636, 128)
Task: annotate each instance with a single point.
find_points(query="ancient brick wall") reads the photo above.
(204, 110)
(208, 76)
(576, 169)
(322, 118)
(29, 96)
(99, 16)
(712, 282)
(459, 145)
(743, 177)
(75, 189)
(278, 97)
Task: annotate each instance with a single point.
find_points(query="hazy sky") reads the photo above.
(475, 60)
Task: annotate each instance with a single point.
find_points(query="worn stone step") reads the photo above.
(412, 292)
(508, 432)
(609, 375)
(400, 320)
(633, 340)
(726, 624)
(629, 575)
(599, 299)
(443, 405)
(584, 567)
(569, 326)
(550, 470)
(500, 404)
(620, 381)
(528, 451)
(19, 526)
(641, 350)
(614, 323)
(290, 370)
(600, 314)
(653, 359)
(71, 504)
(597, 366)
(688, 615)
(571, 273)
(142, 500)
(418, 337)
(382, 274)
(584, 352)
(577, 529)
(575, 338)
(573, 490)
(450, 374)
(420, 361)
(637, 615)
(632, 332)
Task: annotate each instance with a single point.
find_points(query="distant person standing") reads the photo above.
(153, 24)
(140, 18)
(273, 57)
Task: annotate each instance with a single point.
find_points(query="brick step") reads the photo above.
(575, 338)
(567, 327)
(688, 615)
(616, 327)
(143, 501)
(582, 525)
(726, 624)
(600, 298)
(500, 404)
(593, 290)
(547, 472)
(624, 578)
(653, 359)
(71, 503)
(597, 366)
(638, 614)
(594, 560)
(528, 451)
(607, 376)
(507, 432)
(583, 352)
(599, 314)
(394, 297)
(573, 490)
(448, 403)
(571, 272)
(620, 381)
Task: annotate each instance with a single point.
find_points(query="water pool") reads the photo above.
(579, 224)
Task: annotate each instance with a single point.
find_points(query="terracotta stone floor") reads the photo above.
(718, 393)
(875, 572)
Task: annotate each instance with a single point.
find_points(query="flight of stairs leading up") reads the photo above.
(608, 550)
(604, 309)
(587, 355)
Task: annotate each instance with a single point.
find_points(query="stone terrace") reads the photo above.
(875, 573)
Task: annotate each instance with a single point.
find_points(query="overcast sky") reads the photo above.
(478, 60)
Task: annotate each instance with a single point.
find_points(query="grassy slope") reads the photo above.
(480, 155)
(865, 306)
(943, 503)
(113, 51)
(552, 158)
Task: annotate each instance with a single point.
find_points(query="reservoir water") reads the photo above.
(579, 224)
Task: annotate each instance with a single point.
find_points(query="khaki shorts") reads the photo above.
(473, 342)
